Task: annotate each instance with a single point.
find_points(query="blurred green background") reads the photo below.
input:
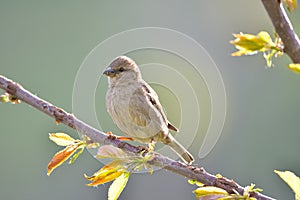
(42, 45)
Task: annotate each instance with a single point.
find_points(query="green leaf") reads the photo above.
(61, 139)
(265, 37)
(248, 44)
(107, 173)
(109, 151)
(194, 182)
(252, 188)
(295, 67)
(219, 176)
(118, 186)
(4, 98)
(268, 57)
(62, 156)
(292, 180)
(76, 155)
(210, 191)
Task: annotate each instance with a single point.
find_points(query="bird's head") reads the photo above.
(122, 68)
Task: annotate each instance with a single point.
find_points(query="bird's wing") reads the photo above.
(150, 100)
(139, 108)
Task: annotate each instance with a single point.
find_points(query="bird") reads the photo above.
(135, 108)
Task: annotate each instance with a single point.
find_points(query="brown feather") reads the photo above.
(153, 98)
(155, 102)
(172, 127)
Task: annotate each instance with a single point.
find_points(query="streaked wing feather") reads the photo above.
(138, 110)
(152, 96)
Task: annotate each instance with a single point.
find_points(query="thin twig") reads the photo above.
(191, 172)
(284, 28)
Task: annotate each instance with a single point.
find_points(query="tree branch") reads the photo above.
(284, 28)
(191, 172)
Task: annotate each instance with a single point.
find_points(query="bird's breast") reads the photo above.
(117, 102)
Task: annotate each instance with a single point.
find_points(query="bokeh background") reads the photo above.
(42, 45)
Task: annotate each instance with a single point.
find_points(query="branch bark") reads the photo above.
(284, 28)
(191, 172)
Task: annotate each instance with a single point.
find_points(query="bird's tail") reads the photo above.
(179, 149)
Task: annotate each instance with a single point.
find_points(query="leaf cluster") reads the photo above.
(118, 170)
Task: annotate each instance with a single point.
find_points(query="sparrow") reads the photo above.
(135, 108)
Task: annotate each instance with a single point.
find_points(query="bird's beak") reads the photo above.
(109, 72)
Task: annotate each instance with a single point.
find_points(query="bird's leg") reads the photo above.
(110, 135)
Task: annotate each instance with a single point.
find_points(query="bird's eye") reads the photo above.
(121, 69)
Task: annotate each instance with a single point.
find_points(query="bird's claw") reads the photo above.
(143, 149)
(149, 149)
